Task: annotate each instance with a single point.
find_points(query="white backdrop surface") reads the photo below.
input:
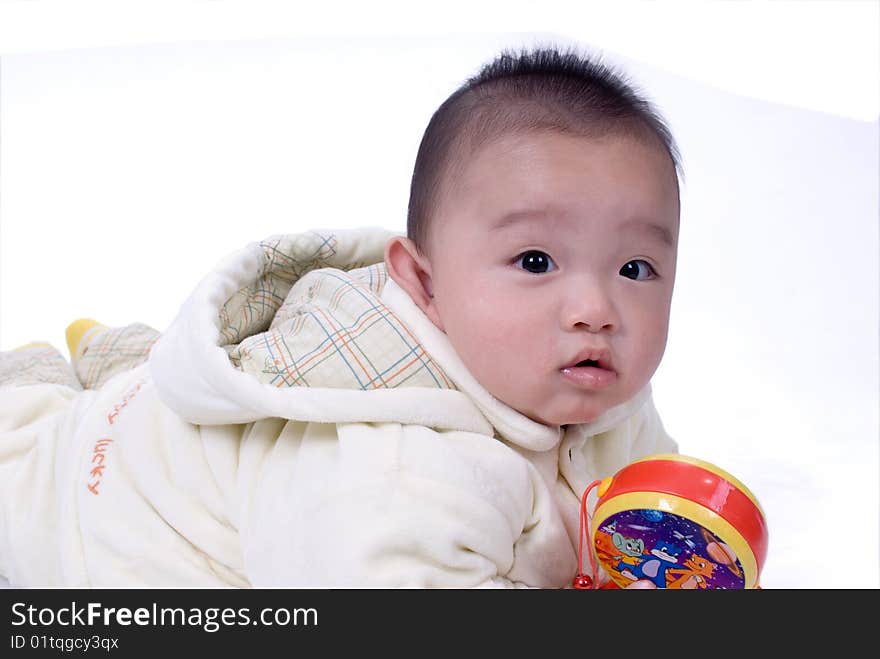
(127, 172)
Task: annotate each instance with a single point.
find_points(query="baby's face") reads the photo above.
(552, 250)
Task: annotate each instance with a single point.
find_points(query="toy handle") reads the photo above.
(582, 581)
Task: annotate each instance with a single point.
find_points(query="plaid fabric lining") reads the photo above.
(328, 329)
(112, 351)
(36, 364)
(285, 260)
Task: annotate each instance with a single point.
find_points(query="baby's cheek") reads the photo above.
(486, 325)
(492, 353)
(647, 359)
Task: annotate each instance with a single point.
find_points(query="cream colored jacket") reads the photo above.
(301, 423)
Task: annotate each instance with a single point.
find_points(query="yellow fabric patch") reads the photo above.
(75, 332)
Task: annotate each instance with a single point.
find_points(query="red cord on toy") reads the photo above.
(581, 580)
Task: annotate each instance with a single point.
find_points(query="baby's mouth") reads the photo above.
(593, 373)
(592, 358)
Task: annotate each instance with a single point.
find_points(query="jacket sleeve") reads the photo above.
(32, 455)
(391, 505)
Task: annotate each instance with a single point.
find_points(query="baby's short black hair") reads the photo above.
(539, 89)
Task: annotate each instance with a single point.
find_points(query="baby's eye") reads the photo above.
(535, 261)
(638, 269)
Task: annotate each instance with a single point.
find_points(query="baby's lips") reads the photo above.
(589, 377)
(601, 357)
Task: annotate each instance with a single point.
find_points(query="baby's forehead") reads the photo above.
(527, 164)
(524, 181)
(490, 152)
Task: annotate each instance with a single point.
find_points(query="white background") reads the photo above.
(141, 142)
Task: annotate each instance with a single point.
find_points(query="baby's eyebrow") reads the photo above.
(515, 217)
(660, 232)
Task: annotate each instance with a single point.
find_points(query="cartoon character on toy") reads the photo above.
(705, 529)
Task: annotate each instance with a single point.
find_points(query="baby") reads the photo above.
(361, 408)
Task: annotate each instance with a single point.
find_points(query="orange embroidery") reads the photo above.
(97, 471)
(124, 402)
(98, 456)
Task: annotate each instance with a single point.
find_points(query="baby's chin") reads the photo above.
(568, 417)
(566, 408)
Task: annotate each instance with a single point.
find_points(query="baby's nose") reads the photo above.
(591, 309)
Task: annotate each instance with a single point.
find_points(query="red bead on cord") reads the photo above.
(582, 581)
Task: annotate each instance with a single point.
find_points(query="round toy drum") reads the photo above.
(680, 523)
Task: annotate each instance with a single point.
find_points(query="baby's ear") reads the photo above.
(411, 270)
